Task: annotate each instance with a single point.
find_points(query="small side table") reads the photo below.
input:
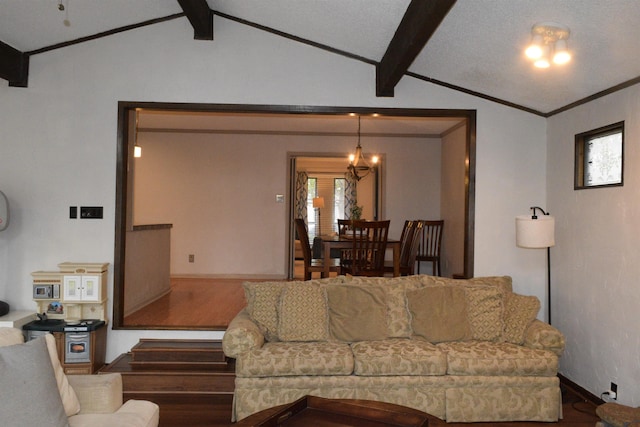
(16, 319)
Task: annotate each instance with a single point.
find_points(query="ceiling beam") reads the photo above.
(200, 16)
(416, 28)
(14, 66)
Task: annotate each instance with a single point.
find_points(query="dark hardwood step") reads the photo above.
(178, 365)
(177, 354)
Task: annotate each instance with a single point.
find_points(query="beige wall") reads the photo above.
(219, 192)
(454, 147)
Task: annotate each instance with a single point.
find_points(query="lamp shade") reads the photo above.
(318, 202)
(535, 233)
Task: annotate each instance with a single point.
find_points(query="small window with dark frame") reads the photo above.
(599, 157)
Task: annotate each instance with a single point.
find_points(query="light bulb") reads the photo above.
(562, 55)
(534, 51)
(542, 63)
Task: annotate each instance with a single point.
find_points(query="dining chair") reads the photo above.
(311, 265)
(430, 243)
(409, 245)
(344, 225)
(366, 257)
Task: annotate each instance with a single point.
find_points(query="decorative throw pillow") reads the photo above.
(519, 312)
(67, 393)
(485, 311)
(262, 305)
(503, 282)
(439, 313)
(357, 313)
(30, 397)
(303, 313)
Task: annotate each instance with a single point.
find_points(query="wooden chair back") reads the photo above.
(430, 244)
(344, 225)
(368, 249)
(303, 236)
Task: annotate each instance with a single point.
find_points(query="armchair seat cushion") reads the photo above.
(134, 413)
(296, 358)
(498, 359)
(398, 356)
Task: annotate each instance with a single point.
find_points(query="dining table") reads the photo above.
(342, 241)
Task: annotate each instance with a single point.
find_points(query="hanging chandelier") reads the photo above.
(548, 44)
(358, 165)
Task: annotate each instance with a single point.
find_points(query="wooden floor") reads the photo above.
(193, 302)
(199, 303)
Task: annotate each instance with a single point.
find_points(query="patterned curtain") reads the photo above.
(350, 194)
(301, 195)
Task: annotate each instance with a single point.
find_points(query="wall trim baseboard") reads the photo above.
(582, 392)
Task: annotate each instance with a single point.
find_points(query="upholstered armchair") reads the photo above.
(36, 391)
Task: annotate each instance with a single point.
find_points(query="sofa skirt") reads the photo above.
(448, 397)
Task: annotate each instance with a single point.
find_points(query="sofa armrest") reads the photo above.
(98, 394)
(543, 336)
(241, 336)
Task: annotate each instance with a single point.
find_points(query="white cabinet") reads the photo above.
(83, 282)
(85, 288)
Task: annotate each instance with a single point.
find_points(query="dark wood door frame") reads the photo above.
(125, 146)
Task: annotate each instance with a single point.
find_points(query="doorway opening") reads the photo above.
(309, 129)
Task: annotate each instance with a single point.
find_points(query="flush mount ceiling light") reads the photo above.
(548, 44)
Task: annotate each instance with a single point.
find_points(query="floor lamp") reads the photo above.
(537, 232)
(318, 203)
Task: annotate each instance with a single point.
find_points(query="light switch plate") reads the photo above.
(279, 198)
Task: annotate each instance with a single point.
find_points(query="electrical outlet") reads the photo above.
(613, 391)
(192, 258)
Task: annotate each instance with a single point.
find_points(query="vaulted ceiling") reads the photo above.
(473, 46)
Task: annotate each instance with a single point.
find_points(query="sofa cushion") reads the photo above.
(485, 312)
(30, 393)
(519, 312)
(492, 359)
(505, 283)
(439, 313)
(398, 356)
(263, 300)
(398, 317)
(296, 358)
(302, 315)
(357, 313)
(262, 306)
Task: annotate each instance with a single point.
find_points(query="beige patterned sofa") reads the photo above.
(461, 350)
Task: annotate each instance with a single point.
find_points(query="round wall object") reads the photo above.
(4, 308)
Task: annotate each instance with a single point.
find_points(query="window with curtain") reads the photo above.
(312, 217)
(332, 188)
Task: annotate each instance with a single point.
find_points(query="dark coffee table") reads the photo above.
(317, 411)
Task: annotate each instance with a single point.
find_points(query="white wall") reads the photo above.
(595, 263)
(58, 142)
